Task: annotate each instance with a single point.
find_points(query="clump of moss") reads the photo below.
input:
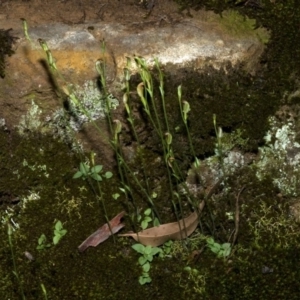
(6, 42)
(237, 24)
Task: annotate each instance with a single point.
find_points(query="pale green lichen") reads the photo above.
(38, 169)
(226, 161)
(280, 158)
(2, 123)
(93, 105)
(11, 214)
(31, 121)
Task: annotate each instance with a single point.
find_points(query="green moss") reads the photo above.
(240, 25)
(54, 195)
(267, 245)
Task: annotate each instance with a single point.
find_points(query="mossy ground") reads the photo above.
(265, 260)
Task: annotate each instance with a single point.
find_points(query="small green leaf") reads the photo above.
(147, 212)
(167, 250)
(156, 222)
(138, 248)
(63, 232)
(57, 232)
(78, 174)
(226, 246)
(142, 260)
(139, 217)
(148, 250)
(210, 241)
(84, 169)
(154, 195)
(96, 169)
(56, 239)
(58, 225)
(146, 267)
(195, 271)
(116, 196)
(226, 249)
(144, 224)
(147, 279)
(156, 250)
(96, 176)
(143, 280)
(149, 257)
(42, 239)
(220, 254)
(108, 175)
(148, 219)
(168, 243)
(215, 248)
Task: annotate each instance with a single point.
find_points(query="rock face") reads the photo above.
(193, 42)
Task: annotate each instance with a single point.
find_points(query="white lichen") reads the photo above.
(280, 158)
(93, 105)
(226, 161)
(2, 123)
(31, 121)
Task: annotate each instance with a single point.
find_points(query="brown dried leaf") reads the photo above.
(158, 235)
(103, 233)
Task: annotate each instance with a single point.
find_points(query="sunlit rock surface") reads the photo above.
(191, 42)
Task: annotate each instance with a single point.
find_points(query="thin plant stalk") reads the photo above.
(101, 69)
(166, 139)
(131, 121)
(219, 149)
(101, 198)
(147, 87)
(184, 110)
(162, 92)
(175, 168)
(44, 291)
(123, 175)
(149, 200)
(15, 271)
